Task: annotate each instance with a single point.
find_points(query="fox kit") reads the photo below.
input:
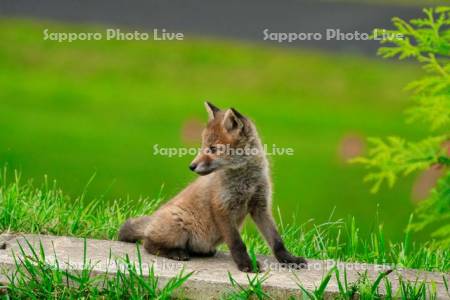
(234, 182)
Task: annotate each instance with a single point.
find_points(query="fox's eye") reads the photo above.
(212, 149)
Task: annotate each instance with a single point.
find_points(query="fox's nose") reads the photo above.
(192, 167)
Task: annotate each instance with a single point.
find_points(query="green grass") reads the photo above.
(72, 110)
(365, 288)
(25, 208)
(35, 278)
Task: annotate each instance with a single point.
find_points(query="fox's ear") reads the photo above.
(211, 109)
(232, 120)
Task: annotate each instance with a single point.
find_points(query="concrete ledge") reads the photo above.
(210, 278)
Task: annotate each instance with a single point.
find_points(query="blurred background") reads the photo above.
(72, 110)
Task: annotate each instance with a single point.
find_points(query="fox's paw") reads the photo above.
(249, 268)
(178, 254)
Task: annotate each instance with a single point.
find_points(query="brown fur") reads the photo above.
(212, 209)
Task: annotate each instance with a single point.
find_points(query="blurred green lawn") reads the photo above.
(70, 110)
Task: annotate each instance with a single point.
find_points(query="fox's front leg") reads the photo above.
(262, 216)
(231, 236)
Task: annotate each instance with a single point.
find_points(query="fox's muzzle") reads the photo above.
(201, 169)
(202, 165)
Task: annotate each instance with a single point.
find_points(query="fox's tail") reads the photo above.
(133, 229)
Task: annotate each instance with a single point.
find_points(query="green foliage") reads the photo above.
(437, 207)
(428, 41)
(35, 278)
(24, 208)
(253, 290)
(319, 292)
(396, 156)
(47, 210)
(368, 289)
